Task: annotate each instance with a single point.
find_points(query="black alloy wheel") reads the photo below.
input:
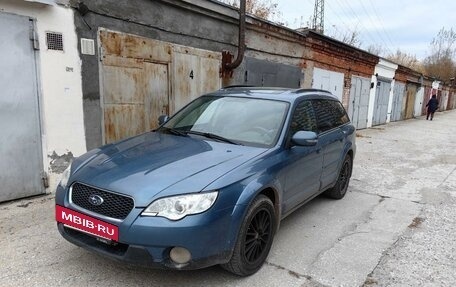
(340, 188)
(255, 238)
(344, 176)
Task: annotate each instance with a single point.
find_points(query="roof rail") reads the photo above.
(311, 90)
(237, 86)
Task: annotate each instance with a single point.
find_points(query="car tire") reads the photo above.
(339, 190)
(255, 238)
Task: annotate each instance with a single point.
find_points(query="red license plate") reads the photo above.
(86, 223)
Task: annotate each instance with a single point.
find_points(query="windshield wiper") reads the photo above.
(214, 136)
(174, 131)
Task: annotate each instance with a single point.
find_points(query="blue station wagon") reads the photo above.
(212, 183)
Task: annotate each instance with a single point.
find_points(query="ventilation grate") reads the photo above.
(87, 46)
(54, 41)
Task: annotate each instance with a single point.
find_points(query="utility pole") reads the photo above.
(319, 16)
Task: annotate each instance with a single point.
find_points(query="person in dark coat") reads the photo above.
(432, 106)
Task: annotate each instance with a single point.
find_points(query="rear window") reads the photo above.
(340, 115)
(329, 114)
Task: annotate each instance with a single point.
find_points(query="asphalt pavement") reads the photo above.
(395, 227)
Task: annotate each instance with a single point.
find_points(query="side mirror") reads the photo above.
(162, 119)
(305, 138)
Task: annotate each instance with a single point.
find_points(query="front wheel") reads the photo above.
(255, 238)
(340, 188)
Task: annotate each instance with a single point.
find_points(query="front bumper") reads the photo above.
(138, 255)
(147, 241)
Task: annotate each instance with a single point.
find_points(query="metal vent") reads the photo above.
(87, 47)
(54, 41)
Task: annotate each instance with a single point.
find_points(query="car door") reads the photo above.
(331, 137)
(303, 164)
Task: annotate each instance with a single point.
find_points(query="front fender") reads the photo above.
(250, 191)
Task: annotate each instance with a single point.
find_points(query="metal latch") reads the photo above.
(45, 179)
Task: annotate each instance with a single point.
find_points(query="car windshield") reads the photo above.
(246, 121)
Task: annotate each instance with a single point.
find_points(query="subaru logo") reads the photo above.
(96, 200)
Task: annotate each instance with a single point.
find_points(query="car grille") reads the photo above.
(114, 205)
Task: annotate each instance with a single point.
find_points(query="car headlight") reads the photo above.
(65, 176)
(177, 207)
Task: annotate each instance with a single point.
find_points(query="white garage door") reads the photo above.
(328, 80)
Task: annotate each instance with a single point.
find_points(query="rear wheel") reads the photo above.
(340, 188)
(254, 239)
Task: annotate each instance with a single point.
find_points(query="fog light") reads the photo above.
(180, 255)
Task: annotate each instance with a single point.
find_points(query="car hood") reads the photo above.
(154, 165)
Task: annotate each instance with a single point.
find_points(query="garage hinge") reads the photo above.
(45, 179)
(101, 53)
(34, 35)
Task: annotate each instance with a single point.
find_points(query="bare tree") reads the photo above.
(375, 49)
(406, 60)
(349, 37)
(265, 9)
(441, 63)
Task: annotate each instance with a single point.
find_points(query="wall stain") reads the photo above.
(59, 163)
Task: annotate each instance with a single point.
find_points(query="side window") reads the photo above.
(303, 118)
(340, 114)
(324, 112)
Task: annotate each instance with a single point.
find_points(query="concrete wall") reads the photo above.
(59, 82)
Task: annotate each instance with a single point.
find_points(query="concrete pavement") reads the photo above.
(395, 227)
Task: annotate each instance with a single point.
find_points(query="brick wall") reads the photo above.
(404, 74)
(332, 55)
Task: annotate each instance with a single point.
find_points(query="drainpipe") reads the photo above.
(241, 43)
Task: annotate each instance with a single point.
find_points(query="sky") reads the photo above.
(408, 25)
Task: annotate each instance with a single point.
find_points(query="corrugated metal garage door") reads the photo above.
(142, 79)
(21, 164)
(381, 102)
(359, 101)
(398, 95)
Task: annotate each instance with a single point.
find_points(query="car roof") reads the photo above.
(273, 93)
